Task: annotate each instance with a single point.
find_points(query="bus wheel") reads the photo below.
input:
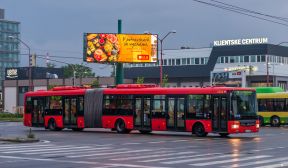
(77, 129)
(144, 131)
(52, 125)
(223, 134)
(199, 130)
(120, 127)
(275, 121)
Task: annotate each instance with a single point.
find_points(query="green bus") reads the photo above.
(272, 106)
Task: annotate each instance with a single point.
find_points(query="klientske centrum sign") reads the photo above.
(241, 42)
(129, 48)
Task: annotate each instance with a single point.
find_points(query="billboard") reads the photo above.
(124, 48)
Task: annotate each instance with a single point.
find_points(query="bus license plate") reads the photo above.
(247, 130)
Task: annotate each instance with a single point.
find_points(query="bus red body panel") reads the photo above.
(110, 121)
(235, 127)
(159, 124)
(27, 118)
(58, 120)
(80, 122)
(206, 123)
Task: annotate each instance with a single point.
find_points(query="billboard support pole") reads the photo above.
(119, 66)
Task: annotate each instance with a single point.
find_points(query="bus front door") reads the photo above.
(219, 115)
(70, 111)
(38, 111)
(142, 113)
(176, 113)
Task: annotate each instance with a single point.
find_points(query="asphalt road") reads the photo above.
(100, 148)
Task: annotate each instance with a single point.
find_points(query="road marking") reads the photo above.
(265, 149)
(154, 142)
(16, 146)
(112, 153)
(149, 156)
(61, 150)
(135, 166)
(259, 162)
(179, 157)
(81, 151)
(282, 164)
(180, 140)
(132, 143)
(201, 159)
(44, 149)
(35, 148)
(230, 160)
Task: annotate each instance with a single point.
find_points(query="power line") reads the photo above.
(237, 11)
(56, 56)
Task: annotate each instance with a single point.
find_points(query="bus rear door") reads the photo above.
(142, 113)
(38, 111)
(219, 114)
(176, 113)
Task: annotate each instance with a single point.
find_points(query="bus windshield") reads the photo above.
(243, 105)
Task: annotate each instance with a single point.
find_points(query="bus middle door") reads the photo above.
(142, 113)
(219, 114)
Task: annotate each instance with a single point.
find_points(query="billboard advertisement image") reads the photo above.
(125, 48)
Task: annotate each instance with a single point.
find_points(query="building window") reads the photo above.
(263, 58)
(192, 61)
(188, 61)
(173, 61)
(197, 61)
(253, 58)
(222, 60)
(177, 61)
(246, 58)
(206, 60)
(226, 59)
(165, 62)
(232, 59)
(170, 62)
(218, 60)
(183, 61)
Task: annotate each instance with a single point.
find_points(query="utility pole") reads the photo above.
(119, 66)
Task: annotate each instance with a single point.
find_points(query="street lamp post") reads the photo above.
(161, 56)
(30, 61)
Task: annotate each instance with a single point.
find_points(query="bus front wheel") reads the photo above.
(275, 121)
(199, 130)
(121, 127)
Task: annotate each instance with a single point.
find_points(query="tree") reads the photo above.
(95, 83)
(165, 80)
(140, 80)
(81, 71)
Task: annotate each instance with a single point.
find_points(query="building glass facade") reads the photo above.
(9, 47)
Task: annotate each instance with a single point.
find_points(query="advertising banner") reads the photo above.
(124, 48)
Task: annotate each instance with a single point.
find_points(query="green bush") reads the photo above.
(11, 115)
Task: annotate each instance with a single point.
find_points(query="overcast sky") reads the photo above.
(57, 26)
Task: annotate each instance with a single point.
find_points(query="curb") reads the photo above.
(20, 140)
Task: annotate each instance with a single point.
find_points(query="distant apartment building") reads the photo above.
(9, 47)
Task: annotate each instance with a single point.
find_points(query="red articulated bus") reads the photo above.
(144, 107)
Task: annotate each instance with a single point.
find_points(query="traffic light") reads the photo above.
(32, 60)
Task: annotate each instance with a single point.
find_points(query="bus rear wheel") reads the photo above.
(121, 127)
(52, 125)
(199, 130)
(275, 121)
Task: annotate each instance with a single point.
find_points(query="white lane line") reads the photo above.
(282, 164)
(35, 148)
(26, 146)
(201, 159)
(155, 142)
(112, 153)
(258, 162)
(64, 150)
(153, 156)
(45, 149)
(132, 143)
(265, 149)
(81, 152)
(230, 160)
(179, 157)
(134, 166)
(180, 140)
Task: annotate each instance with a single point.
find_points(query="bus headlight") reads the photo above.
(235, 126)
(257, 125)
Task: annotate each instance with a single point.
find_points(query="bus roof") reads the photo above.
(66, 91)
(268, 89)
(272, 95)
